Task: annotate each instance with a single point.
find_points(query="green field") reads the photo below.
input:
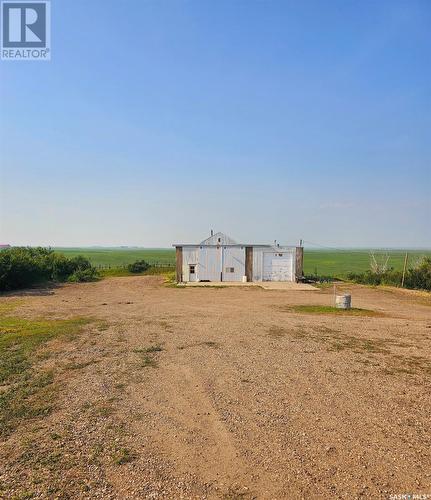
(339, 263)
(322, 262)
(118, 257)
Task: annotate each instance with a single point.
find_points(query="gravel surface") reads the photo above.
(227, 393)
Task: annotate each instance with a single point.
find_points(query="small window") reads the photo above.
(230, 269)
(280, 255)
(192, 268)
(219, 240)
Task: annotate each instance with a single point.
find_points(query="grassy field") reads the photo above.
(322, 262)
(116, 257)
(340, 262)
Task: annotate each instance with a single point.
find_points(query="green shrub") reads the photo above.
(418, 278)
(21, 267)
(63, 267)
(80, 262)
(140, 266)
(84, 275)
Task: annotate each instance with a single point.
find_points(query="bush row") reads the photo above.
(418, 278)
(22, 266)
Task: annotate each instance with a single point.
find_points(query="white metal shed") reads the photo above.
(220, 258)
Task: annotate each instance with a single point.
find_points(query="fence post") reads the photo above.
(404, 269)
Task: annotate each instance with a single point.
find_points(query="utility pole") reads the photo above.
(404, 269)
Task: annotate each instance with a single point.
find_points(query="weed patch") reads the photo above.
(207, 343)
(80, 366)
(103, 326)
(310, 309)
(123, 456)
(8, 306)
(411, 365)
(153, 348)
(210, 343)
(335, 341)
(148, 361)
(99, 409)
(276, 332)
(147, 355)
(29, 391)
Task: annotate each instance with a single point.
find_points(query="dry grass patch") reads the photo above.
(79, 366)
(153, 348)
(276, 332)
(206, 343)
(411, 365)
(335, 341)
(26, 389)
(8, 306)
(146, 354)
(102, 326)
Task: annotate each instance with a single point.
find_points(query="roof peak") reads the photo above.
(219, 238)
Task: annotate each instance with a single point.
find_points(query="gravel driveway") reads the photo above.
(228, 393)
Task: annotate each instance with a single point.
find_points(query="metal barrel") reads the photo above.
(343, 301)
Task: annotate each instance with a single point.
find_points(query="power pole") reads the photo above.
(404, 269)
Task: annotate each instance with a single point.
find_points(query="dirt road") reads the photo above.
(228, 393)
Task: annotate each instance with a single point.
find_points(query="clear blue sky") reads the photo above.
(158, 120)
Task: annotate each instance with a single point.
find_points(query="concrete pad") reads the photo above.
(266, 285)
(219, 283)
(285, 285)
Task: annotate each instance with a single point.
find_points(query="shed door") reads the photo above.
(210, 265)
(277, 266)
(192, 272)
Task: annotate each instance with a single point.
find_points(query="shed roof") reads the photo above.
(219, 239)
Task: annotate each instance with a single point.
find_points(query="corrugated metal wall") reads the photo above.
(233, 257)
(190, 256)
(212, 261)
(278, 266)
(257, 263)
(258, 259)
